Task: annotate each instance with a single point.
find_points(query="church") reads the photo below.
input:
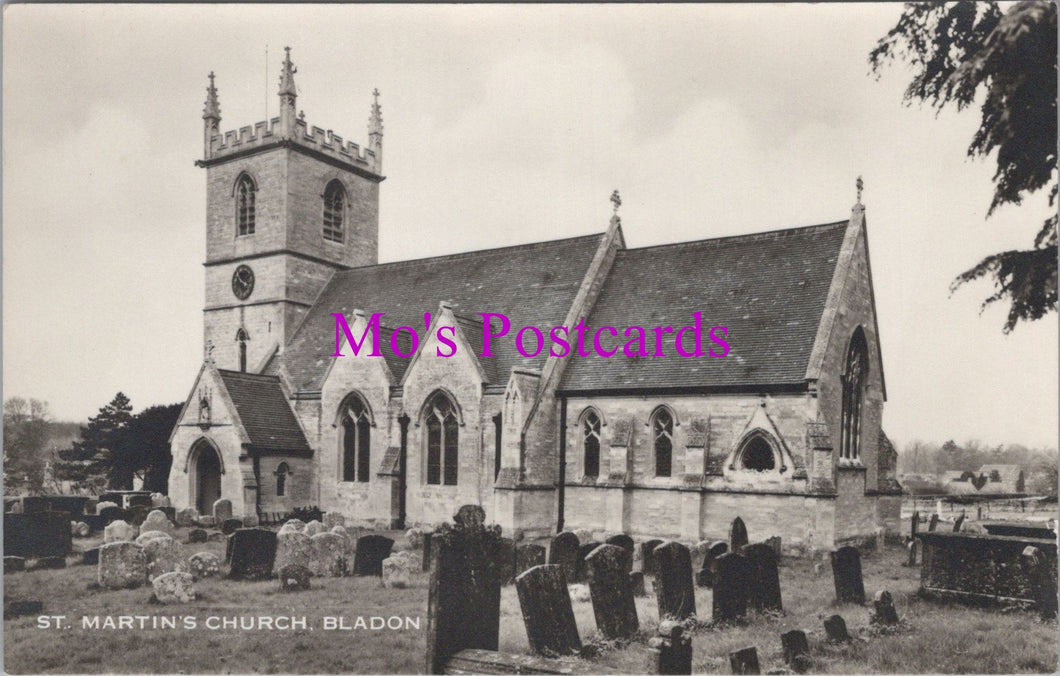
(783, 431)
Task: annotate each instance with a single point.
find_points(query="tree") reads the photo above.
(144, 447)
(25, 436)
(959, 49)
(90, 461)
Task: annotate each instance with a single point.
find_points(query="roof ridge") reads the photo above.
(252, 376)
(466, 254)
(749, 237)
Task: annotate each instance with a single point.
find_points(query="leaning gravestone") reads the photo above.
(744, 661)
(958, 523)
(846, 570)
(506, 561)
(933, 523)
(122, 565)
(164, 555)
(371, 550)
(705, 575)
(625, 542)
(253, 554)
(796, 650)
(636, 582)
(563, 552)
(222, 509)
(464, 599)
(118, 531)
(547, 613)
(528, 556)
(582, 572)
(675, 591)
(737, 535)
(612, 591)
(885, 612)
(174, 588)
(647, 558)
(730, 587)
(1042, 580)
(764, 577)
(292, 549)
(197, 535)
(327, 555)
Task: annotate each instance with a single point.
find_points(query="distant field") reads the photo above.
(934, 638)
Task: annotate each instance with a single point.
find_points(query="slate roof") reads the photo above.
(266, 415)
(769, 289)
(532, 284)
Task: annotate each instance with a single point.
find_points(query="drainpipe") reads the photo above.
(562, 459)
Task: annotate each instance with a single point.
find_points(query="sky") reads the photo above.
(503, 125)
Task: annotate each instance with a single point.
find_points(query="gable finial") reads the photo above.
(208, 357)
(375, 131)
(861, 186)
(212, 109)
(617, 202)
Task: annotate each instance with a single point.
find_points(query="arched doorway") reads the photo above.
(207, 480)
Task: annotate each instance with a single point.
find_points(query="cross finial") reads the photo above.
(211, 78)
(375, 92)
(861, 186)
(209, 352)
(616, 201)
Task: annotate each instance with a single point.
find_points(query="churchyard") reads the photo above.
(611, 624)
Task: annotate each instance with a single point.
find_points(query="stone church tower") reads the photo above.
(286, 206)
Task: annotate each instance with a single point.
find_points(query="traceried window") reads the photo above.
(356, 439)
(662, 434)
(757, 455)
(281, 479)
(334, 211)
(241, 338)
(854, 380)
(591, 442)
(442, 440)
(245, 192)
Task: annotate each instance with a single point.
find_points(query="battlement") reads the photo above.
(269, 132)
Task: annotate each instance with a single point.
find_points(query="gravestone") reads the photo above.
(885, 612)
(705, 575)
(396, 572)
(835, 627)
(625, 542)
(547, 612)
(744, 661)
(414, 538)
(159, 500)
(222, 509)
(46, 562)
(187, 517)
(582, 573)
(253, 554)
(670, 650)
(846, 572)
(371, 550)
(38, 534)
(122, 565)
(583, 534)
(174, 588)
(90, 557)
(612, 591)
(914, 524)
(647, 556)
(196, 535)
(528, 556)
(933, 523)
(111, 513)
(294, 577)
(296, 524)
(774, 543)
(136, 515)
(1042, 579)
(506, 561)
(139, 500)
(118, 531)
(563, 552)
(737, 535)
(327, 555)
(164, 555)
(208, 521)
(229, 526)
(730, 587)
(314, 527)
(675, 592)
(104, 504)
(13, 609)
(204, 564)
(14, 564)
(764, 577)
(150, 535)
(80, 529)
(332, 519)
(958, 523)
(426, 561)
(796, 650)
(464, 599)
(912, 546)
(636, 582)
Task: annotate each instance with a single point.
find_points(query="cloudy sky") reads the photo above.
(503, 125)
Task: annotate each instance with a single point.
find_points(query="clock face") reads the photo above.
(243, 282)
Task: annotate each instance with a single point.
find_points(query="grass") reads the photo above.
(934, 638)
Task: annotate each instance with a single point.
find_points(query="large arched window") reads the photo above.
(334, 211)
(281, 479)
(244, 193)
(591, 442)
(356, 439)
(241, 340)
(854, 377)
(442, 439)
(756, 454)
(662, 435)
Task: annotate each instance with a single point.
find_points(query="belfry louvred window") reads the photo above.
(334, 211)
(245, 193)
(443, 440)
(854, 381)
